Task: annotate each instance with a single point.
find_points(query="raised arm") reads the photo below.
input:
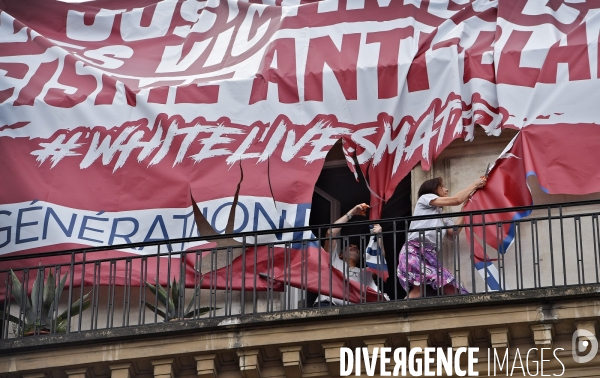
(460, 197)
(378, 230)
(360, 209)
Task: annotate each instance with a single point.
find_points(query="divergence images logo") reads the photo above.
(582, 346)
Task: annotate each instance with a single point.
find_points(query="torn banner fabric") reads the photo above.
(563, 158)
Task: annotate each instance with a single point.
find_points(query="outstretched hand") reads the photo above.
(360, 209)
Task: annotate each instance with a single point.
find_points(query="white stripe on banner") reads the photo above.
(493, 280)
(375, 259)
(38, 223)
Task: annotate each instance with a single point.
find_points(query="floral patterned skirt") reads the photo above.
(423, 267)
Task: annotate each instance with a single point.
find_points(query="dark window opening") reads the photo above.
(337, 191)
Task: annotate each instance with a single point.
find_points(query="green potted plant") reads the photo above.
(175, 308)
(40, 307)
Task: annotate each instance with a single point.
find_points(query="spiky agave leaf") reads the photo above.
(61, 327)
(189, 308)
(45, 296)
(49, 291)
(156, 310)
(57, 294)
(21, 298)
(17, 288)
(170, 309)
(48, 299)
(175, 307)
(161, 294)
(76, 308)
(175, 298)
(36, 300)
(61, 287)
(190, 312)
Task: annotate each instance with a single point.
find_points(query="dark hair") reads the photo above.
(430, 186)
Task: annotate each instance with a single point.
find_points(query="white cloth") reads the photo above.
(354, 274)
(424, 207)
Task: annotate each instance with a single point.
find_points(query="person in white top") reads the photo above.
(348, 260)
(417, 263)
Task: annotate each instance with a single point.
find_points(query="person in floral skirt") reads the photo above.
(418, 264)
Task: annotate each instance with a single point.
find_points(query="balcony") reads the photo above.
(536, 292)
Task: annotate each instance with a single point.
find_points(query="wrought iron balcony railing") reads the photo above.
(279, 270)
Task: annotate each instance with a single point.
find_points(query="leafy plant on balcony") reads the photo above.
(40, 307)
(175, 308)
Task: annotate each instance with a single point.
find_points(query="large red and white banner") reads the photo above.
(111, 112)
